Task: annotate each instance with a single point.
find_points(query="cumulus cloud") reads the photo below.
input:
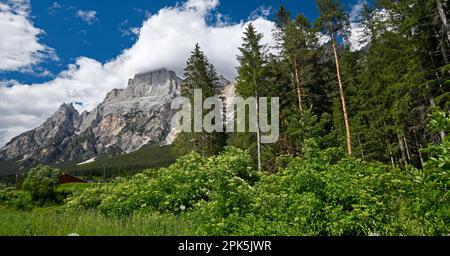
(19, 44)
(88, 16)
(165, 39)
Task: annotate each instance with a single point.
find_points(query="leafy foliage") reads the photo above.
(398, 95)
(312, 195)
(41, 182)
(20, 200)
(174, 189)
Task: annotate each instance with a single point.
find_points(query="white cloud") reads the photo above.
(222, 20)
(54, 7)
(9, 82)
(201, 6)
(20, 48)
(88, 16)
(127, 31)
(357, 37)
(165, 40)
(135, 30)
(323, 38)
(261, 12)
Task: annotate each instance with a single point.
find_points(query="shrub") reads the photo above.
(20, 200)
(89, 198)
(41, 182)
(320, 193)
(63, 191)
(432, 200)
(192, 179)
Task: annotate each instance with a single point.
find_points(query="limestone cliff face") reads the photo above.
(132, 117)
(42, 142)
(126, 120)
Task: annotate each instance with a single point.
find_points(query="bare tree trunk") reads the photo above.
(360, 145)
(443, 18)
(407, 149)
(418, 149)
(297, 84)
(422, 163)
(392, 161)
(341, 92)
(211, 144)
(444, 53)
(402, 150)
(390, 154)
(258, 135)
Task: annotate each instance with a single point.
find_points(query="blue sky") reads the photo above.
(54, 52)
(109, 32)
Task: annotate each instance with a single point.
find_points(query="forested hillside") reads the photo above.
(373, 103)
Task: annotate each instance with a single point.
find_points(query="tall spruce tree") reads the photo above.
(395, 81)
(298, 45)
(296, 76)
(251, 80)
(443, 16)
(199, 74)
(296, 40)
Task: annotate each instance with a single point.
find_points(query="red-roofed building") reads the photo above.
(67, 178)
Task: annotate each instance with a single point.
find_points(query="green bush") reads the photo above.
(178, 188)
(89, 198)
(432, 200)
(316, 194)
(63, 191)
(41, 182)
(20, 200)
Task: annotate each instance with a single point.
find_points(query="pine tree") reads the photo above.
(333, 21)
(251, 78)
(296, 41)
(296, 76)
(393, 83)
(299, 45)
(283, 17)
(199, 74)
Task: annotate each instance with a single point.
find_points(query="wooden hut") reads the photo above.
(67, 178)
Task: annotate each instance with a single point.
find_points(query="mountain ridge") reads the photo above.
(123, 122)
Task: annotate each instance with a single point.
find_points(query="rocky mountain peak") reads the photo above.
(159, 76)
(67, 109)
(160, 83)
(126, 120)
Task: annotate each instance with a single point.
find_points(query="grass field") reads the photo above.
(57, 222)
(225, 195)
